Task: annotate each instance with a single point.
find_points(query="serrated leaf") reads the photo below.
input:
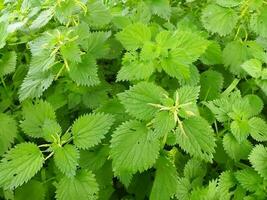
(236, 150)
(240, 129)
(35, 117)
(161, 8)
(211, 85)
(134, 36)
(19, 165)
(3, 34)
(71, 52)
(88, 130)
(83, 187)
(133, 68)
(228, 3)
(98, 14)
(217, 19)
(249, 179)
(138, 98)
(226, 183)
(133, 147)
(8, 132)
(258, 159)
(197, 138)
(234, 61)
(35, 84)
(258, 129)
(85, 73)
(66, 159)
(212, 55)
(258, 22)
(166, 175)
(163, 123)
(8, 63)
(42, 19)
(253, 67)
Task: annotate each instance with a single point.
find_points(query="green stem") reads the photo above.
(230, 88)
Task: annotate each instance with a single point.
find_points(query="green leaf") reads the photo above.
(85, 73)
(97, 43)
(19, 165)
(134, 36)
(253, 67)
(35, 117)
(71, 52)
(255, 104)
(133, 68)
(163, 123)
(227, 181)
(161, 8)
(258, 159)
(196, 137)
(98, 14)
(258, 22)
(217, 19)
(88, 130)
(138, 98)
(167, 176)
(212, 55)
(35, 84)
(66, 159)
(3, 34)
(240, 130)
(234, 149)
(211, 85)
(83, 187)
(8, 132)
(133, 148)
(8, 63)
(234, 61)
(258, 129)
(42, 19)
(249, 179)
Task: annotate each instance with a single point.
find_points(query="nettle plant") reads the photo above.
(133, 100)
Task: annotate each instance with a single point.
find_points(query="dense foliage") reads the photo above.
(133, 99)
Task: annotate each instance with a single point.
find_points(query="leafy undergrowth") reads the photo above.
(133, 99)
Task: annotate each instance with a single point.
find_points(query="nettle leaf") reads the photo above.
(88, 130)
(163, 123)
(166, 174)
(3, 34)
(133, 68)
(19, 165)
(66, 159)
(133, 148)
(138, 98)
(35, 116)
(98, 14)
(257, 158)
(134, 36)
(258, 129)
(8, 132)
(258, 22)
(42, 19)
(249, 179)
(240, 129)
(8, 63)
(212, 55)
(85, 73)
(196, 137)
(227, 181)
(160, 7)
(217, 19)
(71, 52)
(234, 149)
(83, 186)
(253, 67)
(211, 85)
(35, 84)
(234, 61)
